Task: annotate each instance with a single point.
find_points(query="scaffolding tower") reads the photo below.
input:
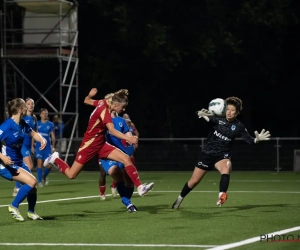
(39, 56)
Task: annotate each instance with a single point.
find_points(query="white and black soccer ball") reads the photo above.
(217, 107)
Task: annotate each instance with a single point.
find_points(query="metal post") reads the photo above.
(277, 149)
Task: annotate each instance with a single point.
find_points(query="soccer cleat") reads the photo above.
(15, 213)
(15, 192)
(143, 189)
(114, 192)
(46, 180)
(102, 197)
(177, 203)
(51, 159)
(34, 216)
(40, 185)
(222, 198)
(131, 208)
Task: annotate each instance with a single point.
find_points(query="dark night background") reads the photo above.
(175, 56)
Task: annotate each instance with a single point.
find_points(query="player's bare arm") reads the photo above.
(38, 137)
(88, 99)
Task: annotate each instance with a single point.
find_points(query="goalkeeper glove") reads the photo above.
(263, 136)
(204, 112)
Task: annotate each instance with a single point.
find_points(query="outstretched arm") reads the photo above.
(88, 99)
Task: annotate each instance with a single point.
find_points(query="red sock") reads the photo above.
(62, 166)
(114, 184)
(102, 190)
(132, 160)
(133, 174)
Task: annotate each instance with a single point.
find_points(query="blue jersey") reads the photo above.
(31, 121)
(12, 136)
(120, 125)
(45, 130)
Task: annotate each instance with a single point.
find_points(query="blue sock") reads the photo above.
(39, 174)
(18, 184)
(129, 192)
(46, 172)
(22, 194)
(31, 199)
(122, 190)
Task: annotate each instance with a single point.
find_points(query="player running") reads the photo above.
(94, 141)
(217, 150)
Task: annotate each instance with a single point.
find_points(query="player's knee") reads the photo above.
(229, 166)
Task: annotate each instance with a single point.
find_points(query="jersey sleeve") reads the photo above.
(107, 117)
(2, 133)
(213, 120)
(95, 103)
(246, 136)
(51, 127)
(26, 127)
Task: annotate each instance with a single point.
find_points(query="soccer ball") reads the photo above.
(217, 107)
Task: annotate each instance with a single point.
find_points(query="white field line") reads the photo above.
(254, 239)
(163, 191)
(104, 245)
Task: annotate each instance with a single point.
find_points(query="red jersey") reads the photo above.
(97, 124)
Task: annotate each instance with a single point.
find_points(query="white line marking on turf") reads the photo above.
(254, 239)
(162, 191)
(104, 245)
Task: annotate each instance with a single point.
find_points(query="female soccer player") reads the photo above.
(46, 129)
(27, 147)
(94, 142)
(217, 150)
(12, 166)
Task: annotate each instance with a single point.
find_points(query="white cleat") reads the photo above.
(15, 213)
(40, 185)
(143, 189)
(51, 159)
(34, 216)
(114, 192)
(102, 197)
(177, 203)
(46, 181)
(15, 192)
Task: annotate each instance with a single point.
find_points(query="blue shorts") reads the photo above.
(7, 172)
(42, 154)
(107, 164)
(26, 151)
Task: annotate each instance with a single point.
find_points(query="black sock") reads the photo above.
(185, 190)
(224, 182)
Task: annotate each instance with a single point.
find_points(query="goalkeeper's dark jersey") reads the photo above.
(220, 139)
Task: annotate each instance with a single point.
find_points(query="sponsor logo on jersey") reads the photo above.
(221, 136)
(221, 122)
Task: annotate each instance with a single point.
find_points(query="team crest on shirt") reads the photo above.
(120, 124)
(233, 127)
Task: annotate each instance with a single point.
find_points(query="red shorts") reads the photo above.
(89, 150)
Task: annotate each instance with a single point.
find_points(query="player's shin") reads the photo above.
(61, 165)
(134, 175)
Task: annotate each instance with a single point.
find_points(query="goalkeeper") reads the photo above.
(217, 149)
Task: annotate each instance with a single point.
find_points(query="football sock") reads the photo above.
(62, 166)
(129, 192)
(46, 172)
(224, 183)
(31, 199)
(185, 190)
(102, 190)
(134, 175)
(22, 194)
(18, 184)
(114, 184)
(39, 174)
(122, 190)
